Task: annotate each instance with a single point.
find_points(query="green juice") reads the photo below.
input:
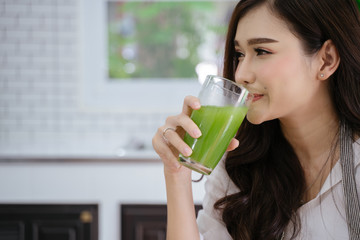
(218, 126)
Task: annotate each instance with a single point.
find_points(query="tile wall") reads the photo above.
(39, 97)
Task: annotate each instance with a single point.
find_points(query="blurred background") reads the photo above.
(84, 85)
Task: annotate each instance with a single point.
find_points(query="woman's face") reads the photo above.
(274, 67)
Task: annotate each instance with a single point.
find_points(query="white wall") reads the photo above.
(40, 92)
(40, 115)
(106, 184)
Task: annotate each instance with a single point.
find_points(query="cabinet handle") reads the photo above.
(86, 217)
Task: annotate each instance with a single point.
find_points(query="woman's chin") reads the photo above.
(255, 118)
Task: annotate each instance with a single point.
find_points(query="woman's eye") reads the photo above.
(260, 52)
(238, 55)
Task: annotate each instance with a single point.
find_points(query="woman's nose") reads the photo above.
(243, 74)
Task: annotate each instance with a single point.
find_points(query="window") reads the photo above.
(148, 55)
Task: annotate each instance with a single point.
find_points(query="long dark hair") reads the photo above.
(265, 167)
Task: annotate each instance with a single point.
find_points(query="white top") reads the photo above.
(323, 217)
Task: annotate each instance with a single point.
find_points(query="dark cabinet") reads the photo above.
(48, 222)
(144, 222)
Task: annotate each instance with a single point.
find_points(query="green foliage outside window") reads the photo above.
(162, 39)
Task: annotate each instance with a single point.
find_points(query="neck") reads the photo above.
(311, 133)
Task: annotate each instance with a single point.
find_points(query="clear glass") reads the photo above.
(224, 105)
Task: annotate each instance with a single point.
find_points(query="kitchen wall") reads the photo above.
(40, 90)
(41, 118)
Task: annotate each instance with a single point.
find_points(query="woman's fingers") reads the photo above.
(191, 103)
(168, 141)
(183, 121)
(167, 153)
(173, 139)
(234, 143)
(185, 124)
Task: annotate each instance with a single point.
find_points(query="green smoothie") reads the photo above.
(218, 126)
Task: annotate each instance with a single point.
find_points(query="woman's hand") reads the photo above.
(168, 140)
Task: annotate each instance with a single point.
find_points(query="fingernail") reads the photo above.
(197, 105)
(197, 133)
(187, 151)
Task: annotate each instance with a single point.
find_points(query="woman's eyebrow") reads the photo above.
(260, 41)
(254, 41)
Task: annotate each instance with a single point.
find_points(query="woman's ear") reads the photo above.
(329, 60)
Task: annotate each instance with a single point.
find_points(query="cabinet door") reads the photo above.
(12, 230)
(144, 222)
(48, 222)
(57, 230)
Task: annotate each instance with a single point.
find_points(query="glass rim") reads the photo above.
(241, 86)
(226, 80)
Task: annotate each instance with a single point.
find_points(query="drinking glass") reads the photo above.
(224, 105)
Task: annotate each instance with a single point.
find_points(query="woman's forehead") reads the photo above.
(259, 23)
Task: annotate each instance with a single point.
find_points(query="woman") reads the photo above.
(293, 170)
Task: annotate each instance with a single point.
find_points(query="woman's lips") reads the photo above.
(257, 97)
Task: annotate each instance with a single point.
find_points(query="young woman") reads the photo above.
(292, 172)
